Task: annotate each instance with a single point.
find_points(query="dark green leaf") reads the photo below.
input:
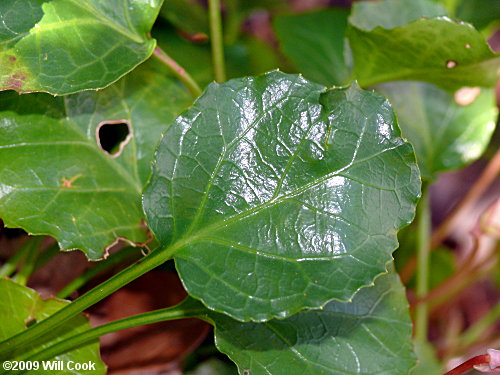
(65, 46)
(479, 12)
(392, 13)
(56, 180)
(275, 194)
(315, 42)
(370, 335)
(446, 135)
(189, 16)
(440, 51)
(21, 306)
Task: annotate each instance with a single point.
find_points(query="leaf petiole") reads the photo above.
(178, 71)
(31, 256)
(188, 308)
(90, 298)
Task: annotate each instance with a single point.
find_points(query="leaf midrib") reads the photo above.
(106, 21)
(100, 19)
(190, 238)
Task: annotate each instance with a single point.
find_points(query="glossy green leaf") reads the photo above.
(275, 194)
(446, 135)
(392, 13)
(315, 42)
(440, 51)
(21, 306)
(56, 180)
(370, 335)
(65, 46)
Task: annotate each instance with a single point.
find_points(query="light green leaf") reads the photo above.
(315, 42)
(56, 180)
(65, 46)
(370, 335)
(21, 306)
(274, 194)
(214, 366)
(392, 13)
(439, 51)
(446, 135)
(428, 364)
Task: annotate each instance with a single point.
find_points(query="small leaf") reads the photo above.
(21, 306)
(315, 42)
(370, 335)
(446, 135)
(274, 195)
(65, 46)
(439, 51)
(56, 180)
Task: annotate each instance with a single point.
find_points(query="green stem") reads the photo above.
(479, 328)
(117, 258)
(188, 308)
(423, 250)
(22, 339)
(11, 264)
(216, 38)
(33, 249)
(178, 71)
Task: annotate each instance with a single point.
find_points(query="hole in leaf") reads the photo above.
(451, 64)
(467, 95)
(30, 322)
(113, 136)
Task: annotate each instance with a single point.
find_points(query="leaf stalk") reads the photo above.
(214, 10)
(423, 250)
(178, 71)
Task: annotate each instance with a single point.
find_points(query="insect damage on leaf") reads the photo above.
(113, 136)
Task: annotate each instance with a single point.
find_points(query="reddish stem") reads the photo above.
(474, 361)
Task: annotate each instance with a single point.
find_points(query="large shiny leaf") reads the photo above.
(21, 307)
(315, 42)
(446, 134)
(440, 51)
(275, 194)
(54, 177)
(370, 335)
(65, 46)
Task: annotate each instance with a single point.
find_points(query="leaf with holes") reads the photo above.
(55, 179)
(316, 44)
(274, 194)
(65, 46)
(21, 306)
(370, 335)
(448, 131)
(439, 51)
